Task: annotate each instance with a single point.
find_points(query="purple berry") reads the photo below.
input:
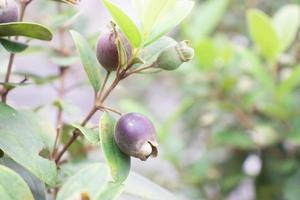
(9, 11)
(107, 51)
(136, 136)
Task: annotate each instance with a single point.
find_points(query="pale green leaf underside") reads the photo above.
(170, 20)
(154, 11)
(286, 22)
(90, 179)
(12, 186)
(23, 136)
(142, 187)
(206, 18)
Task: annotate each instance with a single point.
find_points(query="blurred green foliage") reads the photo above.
(241, 125)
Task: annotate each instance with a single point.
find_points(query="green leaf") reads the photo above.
(289, 84)
(36, 186)
(240, 140)
(23, 135)
(27, 29)
(90, 179)
(263, 33)
(258, 70)
(12, 186)
(151, 52)
(206, 18)
(13, 46)
(88, 60)
(286, 22)
(126, 24)
(206, 53)
(111, 191)
(139, 6)
(142, 187)
(92, 136)
(172, 19)
(156, 9)
(118, 162)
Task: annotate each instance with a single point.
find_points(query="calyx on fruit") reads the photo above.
(107, 49)
(135, 135)
(173, 57)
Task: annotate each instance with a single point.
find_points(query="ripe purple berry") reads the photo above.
(107, 51)
(136, 136)
(9, 11)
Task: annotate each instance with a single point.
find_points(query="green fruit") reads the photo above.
(173, 57)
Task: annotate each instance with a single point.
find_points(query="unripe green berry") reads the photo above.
(9, 11)
(173, 57)
(107, 50)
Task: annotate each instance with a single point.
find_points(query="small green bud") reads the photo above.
(173, 57)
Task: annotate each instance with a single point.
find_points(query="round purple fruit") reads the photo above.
(136, 136)
(107, 50)
(9, 11)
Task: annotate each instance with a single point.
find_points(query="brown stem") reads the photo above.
(59, 117)
(5, 92)
(110, 109)
(104, 84)
(152, 65)
(75, 135)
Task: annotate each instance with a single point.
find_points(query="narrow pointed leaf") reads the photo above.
(88, 60)
(125, 23)
(26, 29)
(118, 162)
(13, 46)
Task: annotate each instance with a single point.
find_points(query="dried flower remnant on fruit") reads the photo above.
(173, 57)
(136, 136)
(107, 50)
(9, 11)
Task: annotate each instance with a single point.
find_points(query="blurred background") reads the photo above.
(228, 122)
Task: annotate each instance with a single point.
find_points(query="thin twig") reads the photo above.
(110, 109)
(59, 116)
(4, 93)
(104, 84)
(76, 133)
(150, 66)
